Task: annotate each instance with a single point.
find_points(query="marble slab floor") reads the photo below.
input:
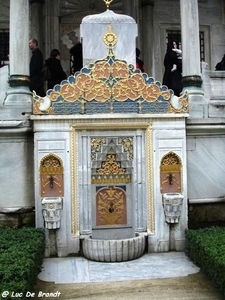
(149, 266)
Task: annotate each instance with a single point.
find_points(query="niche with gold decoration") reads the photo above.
(170, 173)
(51, 176)
(111, 175)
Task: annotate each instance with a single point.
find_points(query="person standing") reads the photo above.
(36, 67)
(56, 71)
(76, 57)
(172, 78)
(139, 62)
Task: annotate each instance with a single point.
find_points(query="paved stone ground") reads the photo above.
(155, 276)
(191, 287)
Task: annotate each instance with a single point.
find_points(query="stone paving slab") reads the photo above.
(192, 287)
(149, 266)
(155, 276)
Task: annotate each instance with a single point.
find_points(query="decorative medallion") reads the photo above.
(110, 39)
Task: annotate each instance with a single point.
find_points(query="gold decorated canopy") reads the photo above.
(110, 85)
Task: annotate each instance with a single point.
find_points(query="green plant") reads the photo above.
(206, 247)
(21, 257)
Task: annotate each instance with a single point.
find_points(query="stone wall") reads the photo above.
(205, 215)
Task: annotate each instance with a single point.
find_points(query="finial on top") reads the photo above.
(108, 2)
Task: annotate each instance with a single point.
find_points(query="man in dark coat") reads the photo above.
(56, 71)
(36, 67)
(76, 57)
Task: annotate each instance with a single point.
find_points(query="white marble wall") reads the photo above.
(52, 135)
(16, 172)
(205, 166)
(168, 135)
(57, 142)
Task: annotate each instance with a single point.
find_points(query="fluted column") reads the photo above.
(51, 21)
(129, 8)
(37, 22)
(190, 44)
(192, 81)
(19, 92)
(147, 31)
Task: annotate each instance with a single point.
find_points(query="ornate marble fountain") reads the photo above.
(110, 144)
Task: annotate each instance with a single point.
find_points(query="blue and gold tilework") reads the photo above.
(108, 86)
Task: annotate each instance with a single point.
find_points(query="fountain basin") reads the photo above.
(114, 250)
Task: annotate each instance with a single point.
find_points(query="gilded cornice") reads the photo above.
(109, 86)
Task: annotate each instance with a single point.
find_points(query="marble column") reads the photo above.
(52, 30)
(36, 22)
(147, 34)
(192, 81)
(190, 43)
(19, 93)
(129, 8)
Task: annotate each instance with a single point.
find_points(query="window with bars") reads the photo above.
(4, 46)
(176, 35)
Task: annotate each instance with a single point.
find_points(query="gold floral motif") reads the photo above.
(120, 70)
(127, 145)
(51, 164)
(111, 206)
(111, 166)
(171, 159)
(151, 92)
(102, 70)
(96, 144)
(110, 179)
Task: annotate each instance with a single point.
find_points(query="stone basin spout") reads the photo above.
(172, 204)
